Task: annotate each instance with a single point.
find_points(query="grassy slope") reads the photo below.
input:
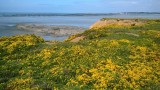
(114, 57)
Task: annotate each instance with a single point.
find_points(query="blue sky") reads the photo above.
(79, 6)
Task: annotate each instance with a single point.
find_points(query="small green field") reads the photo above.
(112, 57)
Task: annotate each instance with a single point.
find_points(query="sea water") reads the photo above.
(8, 21)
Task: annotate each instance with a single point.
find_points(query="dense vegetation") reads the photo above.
(112, 57)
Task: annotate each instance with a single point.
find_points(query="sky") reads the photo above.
(79, 6)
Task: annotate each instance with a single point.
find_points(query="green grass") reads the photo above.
(107, 58)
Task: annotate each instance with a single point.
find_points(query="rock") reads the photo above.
(54, 30)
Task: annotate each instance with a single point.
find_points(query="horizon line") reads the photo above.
(76, 12)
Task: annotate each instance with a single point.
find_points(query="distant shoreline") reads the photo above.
(7, 14)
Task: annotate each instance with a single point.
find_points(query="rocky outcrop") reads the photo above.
(55, 30)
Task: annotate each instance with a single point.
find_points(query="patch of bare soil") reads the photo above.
(77, 39)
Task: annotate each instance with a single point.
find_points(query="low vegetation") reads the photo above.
(106, 58)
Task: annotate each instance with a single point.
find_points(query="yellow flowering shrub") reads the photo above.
(19, 83)
(106, 59)
(19, 43)
(124, 41)
(78, 50)
(46, 53)
(151, 33)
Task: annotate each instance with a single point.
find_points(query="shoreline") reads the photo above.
(51, 29)
(51, 32)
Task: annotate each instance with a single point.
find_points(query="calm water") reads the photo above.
(7, 23)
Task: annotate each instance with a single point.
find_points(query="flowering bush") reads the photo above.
(112, 59)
